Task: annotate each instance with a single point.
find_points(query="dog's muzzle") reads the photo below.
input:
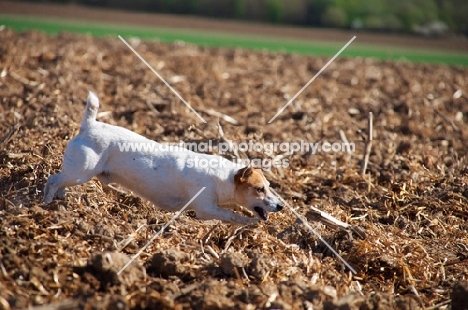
(272, 207)
(279, 206)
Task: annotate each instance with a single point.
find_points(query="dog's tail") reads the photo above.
(92, 106)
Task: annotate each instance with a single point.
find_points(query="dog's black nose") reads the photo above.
(279, 206)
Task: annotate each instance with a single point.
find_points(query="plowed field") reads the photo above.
(412, 201)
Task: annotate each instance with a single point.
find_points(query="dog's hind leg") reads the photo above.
(104, 178)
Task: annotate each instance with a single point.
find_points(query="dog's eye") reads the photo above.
(261, 189)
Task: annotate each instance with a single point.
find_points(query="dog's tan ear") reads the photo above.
(242, 175)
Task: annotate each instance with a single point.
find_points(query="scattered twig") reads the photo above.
(270, 300)
(60, 225)
(449, 121)
(414, 290)
(4, 303)
(207, 236)
(22, 79)
(212, 251)
(4, 272)
(118, 188)
(326, 218)
(237, 274)
(344, 139)
(125, 242)
(63, 305)
(233, 236)
(98, 236)
(330, 221)
(151, 107)
(198, 131)
(244, 273)
(38, 285)
(229, 142)
(162, 96)
(439, 305)
(368, 145)
(184, 291)
(225, 117)
(9, 134)
(16, 155)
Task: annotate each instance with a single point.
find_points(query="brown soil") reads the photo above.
(411, 202)
(83, 13)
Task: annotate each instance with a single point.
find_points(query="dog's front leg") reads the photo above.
(57, 183)
(216, 213)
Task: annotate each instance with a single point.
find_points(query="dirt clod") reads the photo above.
(348, 302)
(459, 296)
(230, 262)
(169, 263)
(106, 266)
(259, 267)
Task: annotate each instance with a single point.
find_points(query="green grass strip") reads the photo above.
(208, 38)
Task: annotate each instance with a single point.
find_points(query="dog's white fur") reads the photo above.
(162, 177)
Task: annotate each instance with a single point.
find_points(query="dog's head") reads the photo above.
(253, 192)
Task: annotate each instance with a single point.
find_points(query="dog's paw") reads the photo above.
(48, 195)
(47, 199)
(61, 193)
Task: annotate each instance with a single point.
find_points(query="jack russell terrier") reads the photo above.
(161, 176)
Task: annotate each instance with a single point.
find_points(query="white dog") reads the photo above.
(161, 176)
